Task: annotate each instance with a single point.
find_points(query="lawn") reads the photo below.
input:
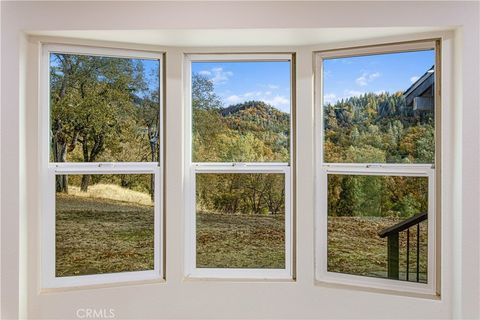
(95, 235)
(240, 241)
(355, 248)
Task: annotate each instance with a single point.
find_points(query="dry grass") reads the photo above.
(112, 192)
(103, 232)
(240, 241)
(102, 236)
(355, 248)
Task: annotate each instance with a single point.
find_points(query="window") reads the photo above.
(376, 159)
(239, 220)
(102, 162)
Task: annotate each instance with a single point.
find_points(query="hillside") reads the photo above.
(256, 116)
(252, 131)
(266, 123)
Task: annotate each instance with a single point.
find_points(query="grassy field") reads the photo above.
(355, 248)
(97, 235)
(240, 241)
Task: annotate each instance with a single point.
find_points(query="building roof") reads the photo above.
(420, 86)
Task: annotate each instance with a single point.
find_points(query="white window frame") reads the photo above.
(323, 169)
(50, 169)
(192, 168)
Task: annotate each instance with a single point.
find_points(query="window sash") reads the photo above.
(49, 278)
(362, 51)
(50, 169)
(322, 273)
(49, 48)
(323, 169)
(240, 57)
(191, 269)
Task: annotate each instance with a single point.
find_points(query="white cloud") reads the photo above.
(252, 94)
(278, 102)
(414, 78)
(366, 78)
(233, 99)
(221, 76)
(352, 93)
(332, 98)
(272, 86)
(329, 98)
(217, 75)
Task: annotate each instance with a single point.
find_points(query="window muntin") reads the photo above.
(331, 160)
(133, 160)
(108, 229)
(256, 144)
(379, 108)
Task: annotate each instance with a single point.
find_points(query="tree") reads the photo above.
(91, 105)
(203, 94)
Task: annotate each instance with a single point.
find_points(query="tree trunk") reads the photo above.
(61, 183)
(85, 182)
(59, 147)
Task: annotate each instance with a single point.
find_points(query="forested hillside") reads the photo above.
(248, 132)
(377, 128)
(371, 128)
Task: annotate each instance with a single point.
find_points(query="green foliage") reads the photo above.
(102, 109)
(376, 196)
(245, 193)
(377, 129)
(248, 132)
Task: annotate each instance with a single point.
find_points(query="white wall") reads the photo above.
(178, 298)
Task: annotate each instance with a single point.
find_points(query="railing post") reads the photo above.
(393, 256)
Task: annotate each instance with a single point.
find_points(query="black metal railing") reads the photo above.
(393, 246)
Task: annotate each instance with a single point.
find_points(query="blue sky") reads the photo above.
(151, 73)
(236, 82)
(347, 77)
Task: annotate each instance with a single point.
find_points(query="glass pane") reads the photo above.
(104, 224)
(240, 220)
(104, 109)
(241, 111)
(380, 108)
(360, 208)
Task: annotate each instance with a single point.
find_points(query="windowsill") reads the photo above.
(101, 281)
(240, 275)
(405, 292)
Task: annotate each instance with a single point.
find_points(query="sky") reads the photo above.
(353, 76)
(236, 82)
(151, 73)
